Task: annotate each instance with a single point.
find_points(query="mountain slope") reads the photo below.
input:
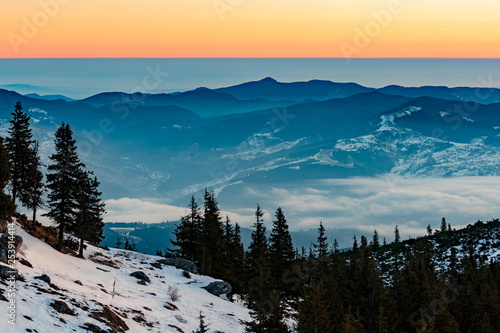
(86, 287)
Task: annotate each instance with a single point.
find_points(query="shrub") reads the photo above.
(174, 293)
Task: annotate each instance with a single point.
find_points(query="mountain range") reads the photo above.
(257, 135)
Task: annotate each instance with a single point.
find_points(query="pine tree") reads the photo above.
(202, 328)
(258, 246)
(18, 145)
(7, 206)
(429, 230)
(397, 238)
(212, 242)
(375, 241)
(88, 220)
(188, 234)
(238, 258)
(364, 242)
(35, 181)
(63, 182)
(315, 310)
(444, 225)
(267, 310)
(281, 253)
(119, 242)
(321, 246)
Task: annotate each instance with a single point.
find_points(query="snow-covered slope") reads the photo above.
(87, 289)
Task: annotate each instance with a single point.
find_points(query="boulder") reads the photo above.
(7, 273)
(44, 278)
(218, 288)
(141, 276)
(184, 264)
(5, 241)
(62, 307)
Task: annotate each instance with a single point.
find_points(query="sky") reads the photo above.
(244, 28)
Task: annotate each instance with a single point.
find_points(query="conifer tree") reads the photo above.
(258, 246)
(88, 219)
(7, 206)
(202, 328)
(18, 145)
(321, 246)
(375, 241)
(212, 243)
(315, 310)
(35, 182)
(267, 311)
(397, 238)
(63, 182)
(188, 234)
(444, 225)
(281, 253)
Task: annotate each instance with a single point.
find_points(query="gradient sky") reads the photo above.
(250, 28)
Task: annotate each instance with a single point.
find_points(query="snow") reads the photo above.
(64, 270)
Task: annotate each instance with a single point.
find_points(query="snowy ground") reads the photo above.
(140, 307)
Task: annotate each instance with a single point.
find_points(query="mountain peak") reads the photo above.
(268, 79)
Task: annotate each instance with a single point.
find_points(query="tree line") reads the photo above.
(73, 200)
(373, 287)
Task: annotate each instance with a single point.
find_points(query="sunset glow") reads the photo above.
(243, 28)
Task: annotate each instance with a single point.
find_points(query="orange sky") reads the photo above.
(250, 28)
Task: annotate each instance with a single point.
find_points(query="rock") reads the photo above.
(156, 265)
(25, 263)
(7, 273)
(110, 318)
(171, 306)
(44, 278)
(62, 307)
(181, 264)
(5, 241)
(218, 288)
(78, 282)
(141, 276)
(142, 282)
(93, 328)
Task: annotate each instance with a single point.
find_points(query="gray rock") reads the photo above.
(62, 307)
(141, 276)
(7, 273)
(218, 288)
(43, 277)
(5, 241)
(181, 264)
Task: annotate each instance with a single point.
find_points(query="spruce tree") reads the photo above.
(397, 238)
(212, 242)
(35, 182)
(18, 144)
(258, 246)
(267, 311)
(315, 310)
(444, 225)
(281, 253)
(63, 182)
(202, 328)
(375, 241)
(321, 246)
(88, 220)
(7, 206)
(188, 234)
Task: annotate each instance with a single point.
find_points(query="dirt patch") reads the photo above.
(110, 318)
(49, 235)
